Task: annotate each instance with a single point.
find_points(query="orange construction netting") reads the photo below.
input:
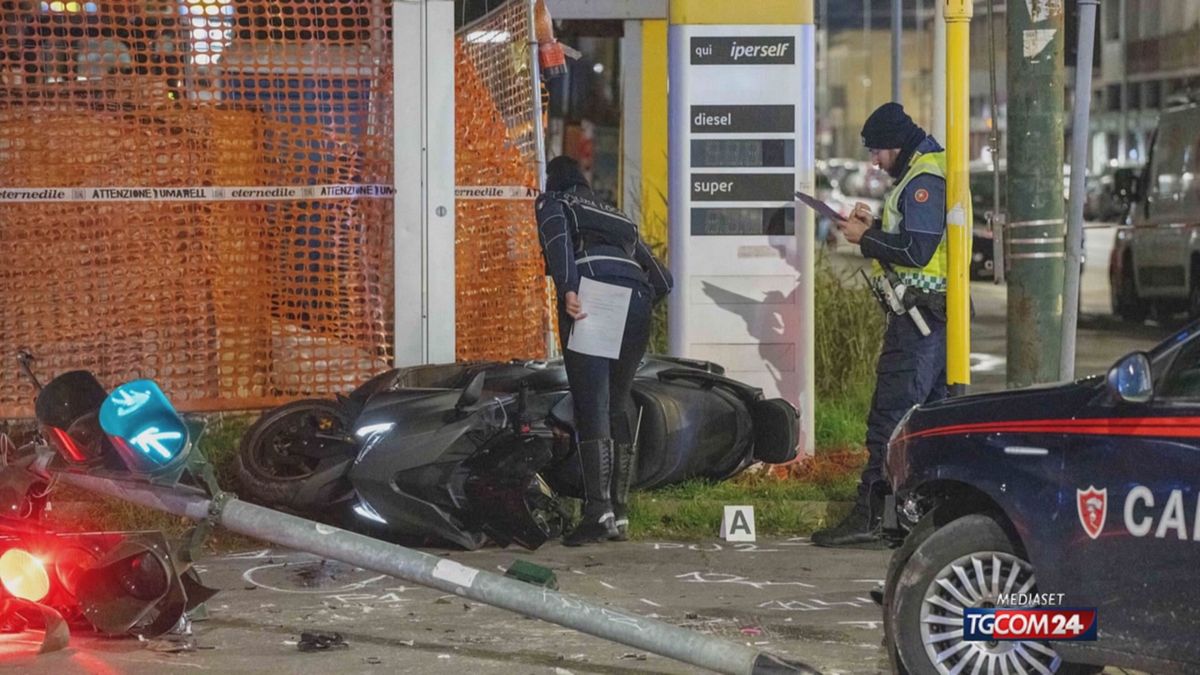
(198, 192)
(501, 287)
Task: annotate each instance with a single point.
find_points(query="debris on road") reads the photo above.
(316, 641)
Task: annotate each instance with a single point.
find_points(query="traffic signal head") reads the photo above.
(147, 433)
(67, 409)
(117, 583)
(134, 588)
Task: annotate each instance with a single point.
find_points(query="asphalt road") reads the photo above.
(784, 596)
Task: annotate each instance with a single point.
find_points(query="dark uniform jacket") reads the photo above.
(583, 236)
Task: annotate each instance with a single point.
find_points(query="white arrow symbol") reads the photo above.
(150, 437)
(129, 400)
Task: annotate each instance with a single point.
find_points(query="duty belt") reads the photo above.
(595, 258)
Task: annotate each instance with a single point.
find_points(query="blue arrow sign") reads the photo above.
(145, 423)
(151, 439)
(128, 400)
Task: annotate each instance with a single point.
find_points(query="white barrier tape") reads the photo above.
(210, 193)
(194, 194)
(518, 192)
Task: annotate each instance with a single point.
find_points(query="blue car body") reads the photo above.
(1101, 493)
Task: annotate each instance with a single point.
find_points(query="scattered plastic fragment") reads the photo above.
(316, 641)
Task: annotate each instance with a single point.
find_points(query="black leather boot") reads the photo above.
(860, 528)
(625, 466)
(597, 522)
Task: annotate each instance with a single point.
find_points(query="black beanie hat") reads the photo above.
(563, 173)
(888, 127)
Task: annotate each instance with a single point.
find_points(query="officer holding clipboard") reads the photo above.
(593, 250)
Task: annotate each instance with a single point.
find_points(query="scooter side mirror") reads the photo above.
(472, 392)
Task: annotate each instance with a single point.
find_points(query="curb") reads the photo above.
(701, 518)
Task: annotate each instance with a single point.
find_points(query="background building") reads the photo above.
(1149, 54)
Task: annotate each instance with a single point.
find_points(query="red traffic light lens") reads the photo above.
(144, 577)
(24, 575)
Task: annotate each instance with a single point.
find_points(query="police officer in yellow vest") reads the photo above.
(910, 239)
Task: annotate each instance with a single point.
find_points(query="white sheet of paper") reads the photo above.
(600, 332)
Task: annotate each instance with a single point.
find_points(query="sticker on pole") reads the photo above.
(738, 523)
(957, 216)
(461, 575)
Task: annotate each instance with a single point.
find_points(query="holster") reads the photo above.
(932, 303)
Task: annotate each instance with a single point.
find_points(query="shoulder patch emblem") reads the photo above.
(921, 196)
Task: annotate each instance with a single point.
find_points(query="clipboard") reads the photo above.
(819, 206)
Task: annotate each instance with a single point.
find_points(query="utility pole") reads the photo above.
(939, 70)
(1036, 225)
(1079, 143)
(897, 52)
(958, 195)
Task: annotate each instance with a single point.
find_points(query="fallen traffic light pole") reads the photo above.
(446, 575)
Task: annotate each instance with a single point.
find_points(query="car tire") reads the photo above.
(917, 604)
(263, 454)
(1125, 301)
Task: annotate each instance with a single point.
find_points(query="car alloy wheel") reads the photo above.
(977, 580)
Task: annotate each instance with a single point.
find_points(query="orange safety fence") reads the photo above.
(501, 288)
(198, 192)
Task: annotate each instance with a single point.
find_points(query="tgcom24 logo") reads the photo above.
(1001, 623)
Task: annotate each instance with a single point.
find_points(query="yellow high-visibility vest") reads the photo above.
(931, 277)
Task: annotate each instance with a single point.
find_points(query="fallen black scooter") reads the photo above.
(472, 452)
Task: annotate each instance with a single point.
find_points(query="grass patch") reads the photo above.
(841, 421)
(791, 501)
(849, 335)
(220, 445)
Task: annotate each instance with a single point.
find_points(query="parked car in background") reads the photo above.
(1155, 261)
(1109, 192)
(983, 259)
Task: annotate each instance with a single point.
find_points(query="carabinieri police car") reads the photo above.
(1081, 495)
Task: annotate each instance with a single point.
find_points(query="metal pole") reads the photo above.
(550, 307)
(868, 102)
(996, 222)
(1036, 209)
(897, 30)
(939, 70)
(958, 194)
(1079, 148)
(535, 70)
(449, 576)
(823, 103)
(1123, 134)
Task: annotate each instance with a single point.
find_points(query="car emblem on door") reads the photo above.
(1093, 507)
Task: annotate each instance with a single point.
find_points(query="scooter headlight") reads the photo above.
(374, 429)
(367, 511)
(369, 435)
